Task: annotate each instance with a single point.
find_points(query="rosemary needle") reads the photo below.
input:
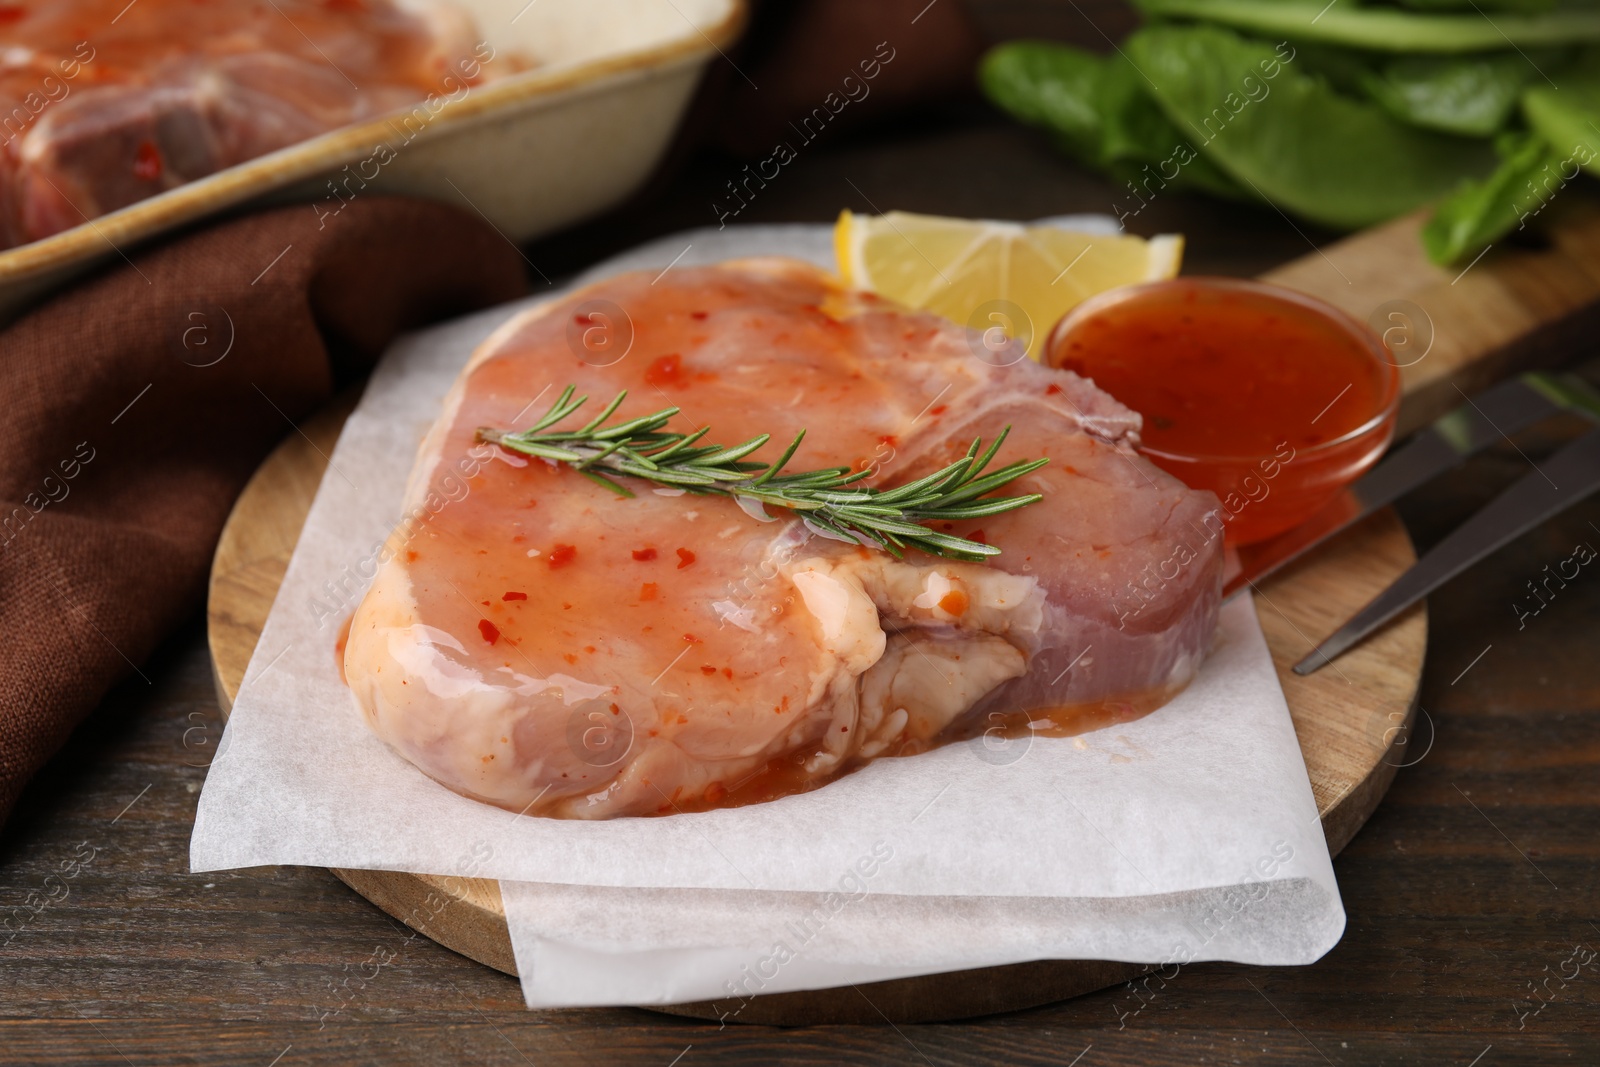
(830, 501)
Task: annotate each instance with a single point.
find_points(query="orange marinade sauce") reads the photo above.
(1270, 399)
(1229, 373)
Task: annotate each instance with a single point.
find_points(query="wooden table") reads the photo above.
(1475, 878)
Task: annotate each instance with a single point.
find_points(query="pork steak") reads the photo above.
(104, 103)
(534, 640)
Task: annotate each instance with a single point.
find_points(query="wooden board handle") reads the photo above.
(1515, 308)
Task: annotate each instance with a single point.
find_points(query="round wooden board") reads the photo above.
(1352, 722)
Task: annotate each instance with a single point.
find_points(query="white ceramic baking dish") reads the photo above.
(530, 153)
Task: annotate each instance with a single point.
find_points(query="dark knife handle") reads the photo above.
(1554, 485)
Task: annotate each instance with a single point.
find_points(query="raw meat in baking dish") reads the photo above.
(106, 102)
(536, 641)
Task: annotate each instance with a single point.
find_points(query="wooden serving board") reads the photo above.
(1352, 724)
(1514, 309)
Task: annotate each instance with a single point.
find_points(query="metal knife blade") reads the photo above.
(1513, 405)
(1552, 486)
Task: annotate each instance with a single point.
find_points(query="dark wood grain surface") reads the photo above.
(1467, 892)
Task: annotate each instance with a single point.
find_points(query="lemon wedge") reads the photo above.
(987, 274)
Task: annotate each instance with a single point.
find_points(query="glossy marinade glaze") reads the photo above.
(540, 643)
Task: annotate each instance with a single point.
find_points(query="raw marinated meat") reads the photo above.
(536, 641)
(106, 102)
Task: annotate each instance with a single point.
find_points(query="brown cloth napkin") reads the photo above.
(134, 407)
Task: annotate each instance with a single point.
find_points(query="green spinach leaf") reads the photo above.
(1388, 29)
(1525, 6)
(1289, 136)
(1568, 114)
(1468, 95)
(1346, 69)
(1480, 212)
(1100, 110)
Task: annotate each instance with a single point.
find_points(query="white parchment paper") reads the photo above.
(1189, 834)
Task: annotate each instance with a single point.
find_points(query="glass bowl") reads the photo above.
(1239, 383)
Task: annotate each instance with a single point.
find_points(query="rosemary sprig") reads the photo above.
(830, 501)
